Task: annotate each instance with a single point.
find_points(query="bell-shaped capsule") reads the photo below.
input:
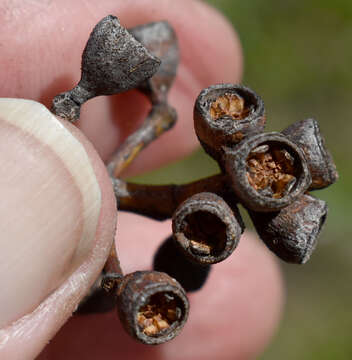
(113, 61)
(206, 228)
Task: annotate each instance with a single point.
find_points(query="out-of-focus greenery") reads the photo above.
(298, 57)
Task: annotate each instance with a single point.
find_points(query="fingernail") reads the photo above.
(50, 206)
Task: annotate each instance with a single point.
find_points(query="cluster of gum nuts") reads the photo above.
(270, 174)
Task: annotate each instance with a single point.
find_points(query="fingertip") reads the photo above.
(216, 54)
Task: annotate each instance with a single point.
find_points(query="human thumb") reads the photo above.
(57, 211)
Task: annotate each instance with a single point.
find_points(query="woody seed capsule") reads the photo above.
(160, 39)
(152, 306)
(307, 135)
(224, 114)
(267, 171)
(292, 232)
(113, 61)
(206, 229)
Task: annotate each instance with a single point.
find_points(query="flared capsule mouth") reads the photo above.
(224, 115)
(273, 169)
(227, 106)
(268, 171)
(206, 229)
(161, 314)
(152, 306)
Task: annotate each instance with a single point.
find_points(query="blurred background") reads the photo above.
(298, 58)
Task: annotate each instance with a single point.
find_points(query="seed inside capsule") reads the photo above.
(231, 105)
(271, 170)
(200, 248)
(206, 232)
(159, 314)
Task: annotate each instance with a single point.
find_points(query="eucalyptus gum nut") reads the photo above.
(306, 134)
(235, 160)
(113, 61)
(160, 39)
(212, 133)
(137, 290)
(292, 232)
(206, 228)
(54, 198)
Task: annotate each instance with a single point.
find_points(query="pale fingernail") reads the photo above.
(50, 206)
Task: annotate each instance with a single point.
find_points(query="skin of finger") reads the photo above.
(27, 336)
(47, 39)
(232, 317)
